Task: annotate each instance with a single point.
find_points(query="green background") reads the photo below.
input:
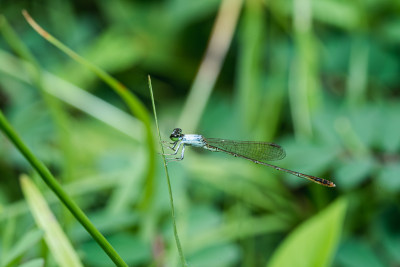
(320, 78)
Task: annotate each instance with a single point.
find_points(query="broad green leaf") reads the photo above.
(389, 177)
(58, 243)
(314, 242)
(353, 172)
(220, 255)
(389, 139)
(355, 253)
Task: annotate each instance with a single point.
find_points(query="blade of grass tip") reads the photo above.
(133, 103)
(171, 199)
(53, 184)
(56, 110)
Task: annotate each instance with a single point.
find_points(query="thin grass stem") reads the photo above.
(49, 179)
(36, 75)
(171, 199)
(133, 103)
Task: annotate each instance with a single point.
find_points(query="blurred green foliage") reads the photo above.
(319, 77)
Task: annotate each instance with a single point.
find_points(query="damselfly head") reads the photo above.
(176, 134)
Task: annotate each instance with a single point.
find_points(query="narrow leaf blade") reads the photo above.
(315, 241)
(55, 238)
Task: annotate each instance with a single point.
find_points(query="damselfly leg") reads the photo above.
(175, 148)
(257, 152)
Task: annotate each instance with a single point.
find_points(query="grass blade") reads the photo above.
(58, 243)
(171, 199)
(49, 179)
(23, 245)
(211, 65)
(133, 103)
(36, 76)
(314, 242)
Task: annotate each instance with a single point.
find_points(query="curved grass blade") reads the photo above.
(133, 103)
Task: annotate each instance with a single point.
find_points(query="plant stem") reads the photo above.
(59, 191)
(171, 199)
(134, 104)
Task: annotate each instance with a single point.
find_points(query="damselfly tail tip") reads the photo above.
(320, 181)
(330, 184)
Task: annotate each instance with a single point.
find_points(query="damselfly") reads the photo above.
(257, 152)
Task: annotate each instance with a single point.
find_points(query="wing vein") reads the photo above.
(261, 151)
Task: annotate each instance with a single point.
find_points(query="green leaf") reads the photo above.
(221, 255)
(133, 249)
(33, 263)
(343, 14)
(389, 234)
(353, 172)
(28, 241)
(55, 238)
(355, 253)
(314, 242)
(389, 177)
(389, 139)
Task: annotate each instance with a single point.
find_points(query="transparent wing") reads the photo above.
(260, 151)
